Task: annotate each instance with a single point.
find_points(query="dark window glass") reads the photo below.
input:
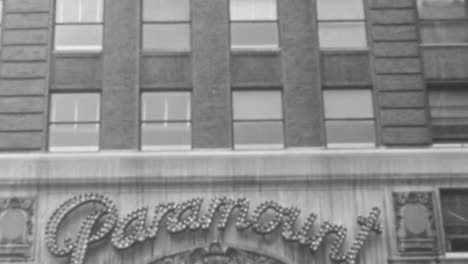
(443, 21)
(350, 133)
(454, 203)
(449, 114)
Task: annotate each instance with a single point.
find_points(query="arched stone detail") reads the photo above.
(216, 254)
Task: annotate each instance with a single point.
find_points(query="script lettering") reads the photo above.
(186, 216)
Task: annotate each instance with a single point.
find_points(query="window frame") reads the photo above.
(247, 48)
(143, 23)
(447, 86)
(256, 120)
(142, 122)
(362, 20)
(441, 225)
(50, 123)
(363, 145)
(61, 23)
(422, 21)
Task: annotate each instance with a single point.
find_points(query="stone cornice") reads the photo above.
(292, 166)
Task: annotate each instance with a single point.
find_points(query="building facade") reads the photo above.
(331, 107)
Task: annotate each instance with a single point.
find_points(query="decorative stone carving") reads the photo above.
(16, 228)
(415, 223)
(217, 255)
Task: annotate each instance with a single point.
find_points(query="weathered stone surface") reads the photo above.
(391, 3)
(445, 63)
(400, 82)
(24, 53)
(23, 87)
(166, 71)
(77, 72)
(26, 20)
(21, 140)
(21, 122)
(406, 135)
(120, 63)
(346, 69)
(382, 32)
(23, 69)
(30, 36)
(211, 100)
(301, 74)
(256, 69)
(398, 65)
(22, 104)
(392, 117)
(27, 5)
(392, 16)
(402, 99)
(396, 49)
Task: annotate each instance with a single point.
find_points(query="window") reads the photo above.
(78, 25)
(258, 119)
(349, 118)
(341, 24)
(443, 21)
(166, 25)
(166, 121)
(449, 113)
(454, 203)
(254, 24)
(74, 122)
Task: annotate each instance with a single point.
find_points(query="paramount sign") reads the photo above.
(103, 222)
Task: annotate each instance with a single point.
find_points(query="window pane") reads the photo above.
(166, 10)
(448, 103)
(258, 134)
(348, 104)
(172, 37)
(440, 9)
(75, 137)
(253, 9)
(454, 203)
(342, 35)
(254, 35)
(340, 9)
(254, 105)
(166, 136)
(166, 106)
(78, 37)
(78, 11)
(75, 108)
(350, 132)
(444, 32)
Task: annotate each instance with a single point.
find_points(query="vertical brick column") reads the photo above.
(120, 93)
(301, 73)
(24, 73)
(211, 101)
(398, 69)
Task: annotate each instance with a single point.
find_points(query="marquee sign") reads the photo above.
(184, 216)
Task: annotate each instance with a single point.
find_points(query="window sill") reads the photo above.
(256, 51)
(76, 53)
(162, 53)
(444, 45)
(345, 51)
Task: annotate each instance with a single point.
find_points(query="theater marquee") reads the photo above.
(103, 222)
